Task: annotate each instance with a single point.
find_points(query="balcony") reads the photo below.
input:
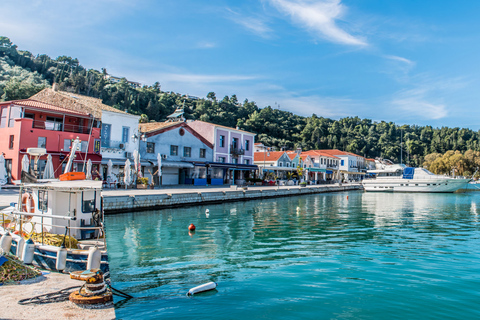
(59, 126)
(235, 151)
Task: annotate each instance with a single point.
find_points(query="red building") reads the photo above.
(33, 124)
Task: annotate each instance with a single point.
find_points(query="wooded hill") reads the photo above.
(23, 74)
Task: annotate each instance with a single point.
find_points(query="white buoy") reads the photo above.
(61, 258)
(94, 258)
(28, 251)
(202, 288)
(6, 242)
(207, 213)
(20, 244)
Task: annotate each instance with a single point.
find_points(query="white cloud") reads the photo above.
(416, 103)
(255, 25)
(319, 17)
(400, 59)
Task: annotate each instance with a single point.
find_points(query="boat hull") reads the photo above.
(45, 258)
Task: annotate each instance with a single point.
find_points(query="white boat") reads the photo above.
(399, 178)
(51, 212)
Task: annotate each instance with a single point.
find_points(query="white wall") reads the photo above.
(118, 121)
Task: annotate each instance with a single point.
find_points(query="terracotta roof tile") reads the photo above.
(268, 156)
(153, 126)
(75, 102)
(46, 106)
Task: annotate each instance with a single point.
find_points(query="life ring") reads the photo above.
(28, 204)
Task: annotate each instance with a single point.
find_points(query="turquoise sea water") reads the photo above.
(329, 256)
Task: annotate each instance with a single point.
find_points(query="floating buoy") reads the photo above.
(347, 197)
(61, 258)
(207, 213)
(94, 258)
(202, 288)
(28, 250)
(191, 227)
(6, 242)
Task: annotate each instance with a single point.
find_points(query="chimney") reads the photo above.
(55, 87)
(299, 150)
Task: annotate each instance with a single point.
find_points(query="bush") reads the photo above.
(142, 181)
(303, 183)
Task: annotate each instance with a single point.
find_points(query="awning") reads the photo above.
(316, 169)
(279, 168)
(232, 166)
(177, 164)
(329, 172)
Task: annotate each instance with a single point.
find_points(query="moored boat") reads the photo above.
(399, 178)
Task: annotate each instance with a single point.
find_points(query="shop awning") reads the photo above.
(232, 166)
(351, 172)
(177, 164)
(121, 162)
(316, 169)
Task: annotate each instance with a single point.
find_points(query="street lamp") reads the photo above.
(139, 135)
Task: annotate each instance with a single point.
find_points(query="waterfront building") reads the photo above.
(233, 159)
(324, 167)
(185, 153)
(274, 164)
(351, 166)
(34, 124)
(119, 130)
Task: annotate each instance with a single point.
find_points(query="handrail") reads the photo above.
(43, 215)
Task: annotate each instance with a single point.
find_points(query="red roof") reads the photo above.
(267, 156)
(339, 152)
(45, 106)
(291, 155)
(316, 153)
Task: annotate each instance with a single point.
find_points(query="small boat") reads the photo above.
(391, 177)
(57, 214)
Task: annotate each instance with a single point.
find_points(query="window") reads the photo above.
(203, 153)
(247, 161)
(187, 151)
(106, 128)
(15, 112)
(280, 164)
(83, 146)
(235, 160)
(125, 134)
(3, 117)
(341, 162)
(150, 147)
(42, 200)
(221, 159)
(53, 123)
(88, 201)
(67, 143)
(10, 145)
(234, 143)
(42, 142)
(174, 150)
(247, 145)
(222, 141)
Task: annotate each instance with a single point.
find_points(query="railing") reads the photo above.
(112, 144)
(235, 151)
(58, 126)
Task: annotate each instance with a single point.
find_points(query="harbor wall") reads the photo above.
(141, 202)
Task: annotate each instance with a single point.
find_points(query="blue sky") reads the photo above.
(410, 62)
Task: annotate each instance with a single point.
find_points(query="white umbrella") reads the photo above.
(25, 163)
(3, 171)
(127, 172)
(49, 172)
(89, 170)
(109, 171)
(136, 162)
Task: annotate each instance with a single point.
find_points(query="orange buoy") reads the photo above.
(347, 197)
(191, 227)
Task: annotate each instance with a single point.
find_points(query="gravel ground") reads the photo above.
(48, 283)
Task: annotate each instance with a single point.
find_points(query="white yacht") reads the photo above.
(391, 177)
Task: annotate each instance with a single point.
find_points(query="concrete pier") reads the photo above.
(118, 201)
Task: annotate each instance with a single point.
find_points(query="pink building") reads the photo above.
(33, 124)
(232, 151)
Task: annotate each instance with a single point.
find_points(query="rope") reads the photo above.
(57, 296)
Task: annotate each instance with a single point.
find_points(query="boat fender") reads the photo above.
(191, 227)
(6, 242)
(202, 288)
(61, 258)
(94, 258)
(20, 244)
(28, 250)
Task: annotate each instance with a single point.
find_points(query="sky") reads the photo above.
(409, 62)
